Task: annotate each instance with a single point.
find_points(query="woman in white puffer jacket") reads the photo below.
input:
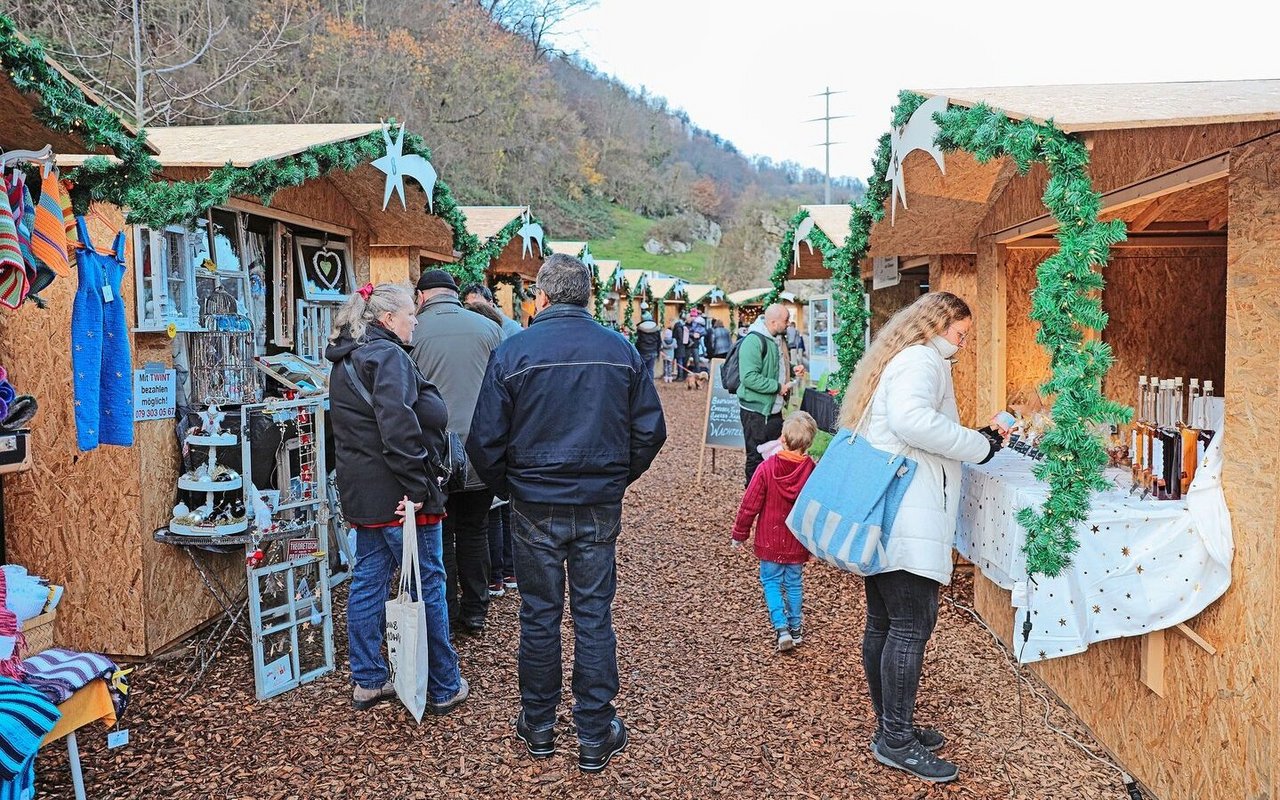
(902, 400)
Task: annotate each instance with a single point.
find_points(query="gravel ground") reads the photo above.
(712, 710)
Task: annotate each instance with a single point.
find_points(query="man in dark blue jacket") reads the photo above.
(567, 418)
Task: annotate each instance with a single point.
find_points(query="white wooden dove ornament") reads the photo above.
(918, 134)
(802, 235)
(396, 166)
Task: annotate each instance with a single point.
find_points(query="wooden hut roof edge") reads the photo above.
(833, 220)
(485, 222)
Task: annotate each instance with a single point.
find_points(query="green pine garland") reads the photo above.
(65, 108)
(1066, 303)
(161, 203)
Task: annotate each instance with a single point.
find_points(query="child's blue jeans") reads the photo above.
(783, 592)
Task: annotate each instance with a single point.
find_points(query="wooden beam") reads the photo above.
(1210, 169)
(1151, 671)
(1150, 213)
(1186, 631)
(1218, 221)
(1173, 240)
(239, 204)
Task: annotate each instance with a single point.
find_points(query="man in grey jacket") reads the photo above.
(451, 346)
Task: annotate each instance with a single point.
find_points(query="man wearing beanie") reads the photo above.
(451, 346)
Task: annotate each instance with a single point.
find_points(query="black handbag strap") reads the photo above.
(356, 382)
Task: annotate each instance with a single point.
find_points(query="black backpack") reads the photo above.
(730, 378)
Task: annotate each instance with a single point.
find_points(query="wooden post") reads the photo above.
(1152, 669)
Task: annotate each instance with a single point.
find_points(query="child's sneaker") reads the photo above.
(797, 634)
(496, 590)
(785, 642)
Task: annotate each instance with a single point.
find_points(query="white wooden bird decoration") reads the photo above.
(918, 134)
(396, 165)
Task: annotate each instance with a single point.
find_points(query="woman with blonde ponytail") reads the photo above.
(389, 430)
(902, 400)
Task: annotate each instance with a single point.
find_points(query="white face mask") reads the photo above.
(946, 348)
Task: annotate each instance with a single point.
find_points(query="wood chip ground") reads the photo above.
(712, 710)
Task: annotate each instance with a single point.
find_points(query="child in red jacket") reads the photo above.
(768, 501)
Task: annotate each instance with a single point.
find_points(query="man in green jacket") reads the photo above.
(764, 382)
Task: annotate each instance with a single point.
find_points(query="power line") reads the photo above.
(826, 143)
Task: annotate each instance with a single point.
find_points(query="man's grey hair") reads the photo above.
(565, 279)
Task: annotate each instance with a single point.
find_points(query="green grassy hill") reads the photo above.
(627, 246)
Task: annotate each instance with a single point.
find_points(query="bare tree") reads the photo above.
(168, 61)
(539, 21)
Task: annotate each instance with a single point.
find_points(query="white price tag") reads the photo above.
(117, 738)
(107, 294)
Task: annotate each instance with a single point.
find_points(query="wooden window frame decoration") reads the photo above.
(322, 290)
(182, 312)
(220, 272)
(283, 285)
(314, 324)
(294, 372)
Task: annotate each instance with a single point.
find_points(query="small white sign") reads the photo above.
(884, 272)
(154, 393)
(117, 738)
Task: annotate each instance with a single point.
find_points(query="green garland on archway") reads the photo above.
(1065, 303)
(64, 107)
(159, 203)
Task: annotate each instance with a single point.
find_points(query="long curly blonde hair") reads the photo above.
(927, 317)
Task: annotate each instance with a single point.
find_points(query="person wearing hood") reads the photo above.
(388, 427)
(769, 499)
(721, 340)
(902, 399)
(648, 341)
(764, 377)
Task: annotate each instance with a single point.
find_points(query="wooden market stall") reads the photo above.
(808, 262)
(747, 304)
(663, 293)
(517, 237)
(1194, 171)
(285, 253)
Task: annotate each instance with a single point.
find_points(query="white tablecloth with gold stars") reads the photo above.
(1143, 565)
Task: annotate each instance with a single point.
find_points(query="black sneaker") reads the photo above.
(797, 634)
(440, 709)
(595, 757)
(540, 744)
(930, 739)
(919, 762)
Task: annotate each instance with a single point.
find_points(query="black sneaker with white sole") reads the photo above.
(540, 744)
(918, 761)
(932, 740)
(595, 757)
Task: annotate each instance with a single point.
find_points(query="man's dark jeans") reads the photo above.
(902, 609)
(501, 566)
(548, 541)
(756, 430)
(466, 557)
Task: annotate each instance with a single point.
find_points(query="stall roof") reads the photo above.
(567, 248)
(694, 293)
(833, 220)
(633, 279)
(214, 146)
(606, 271)
(662, 286)
(746, 296)
(485, 222)
(1095, 107)
(23, 130)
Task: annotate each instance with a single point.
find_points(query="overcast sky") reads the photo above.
(745, 69)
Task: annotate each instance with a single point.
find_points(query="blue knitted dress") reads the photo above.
(102, 370)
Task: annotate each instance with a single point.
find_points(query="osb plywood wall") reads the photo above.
(1168, 316)
(1122, 157)
(1212, 737)
(391, 264)
(955, 274)
(891, 299)
(72, 517)
(1026, 363)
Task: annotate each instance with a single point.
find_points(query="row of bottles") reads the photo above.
(1170, 435)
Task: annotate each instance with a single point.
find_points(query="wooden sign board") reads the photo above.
(722, 423)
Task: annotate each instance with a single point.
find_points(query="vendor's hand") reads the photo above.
(1003, 422)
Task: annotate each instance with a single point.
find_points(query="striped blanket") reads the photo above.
(26, 717)
(57, 673)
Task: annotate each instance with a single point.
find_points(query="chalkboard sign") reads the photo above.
(722, 427)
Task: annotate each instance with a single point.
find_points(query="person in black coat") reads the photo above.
(389, 433)
(721, 341)
(648, 341)
(567, 418)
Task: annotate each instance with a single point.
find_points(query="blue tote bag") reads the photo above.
(847, 507)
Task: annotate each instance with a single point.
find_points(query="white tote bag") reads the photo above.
(407, 626)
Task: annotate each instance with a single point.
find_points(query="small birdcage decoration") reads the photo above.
(222, 370)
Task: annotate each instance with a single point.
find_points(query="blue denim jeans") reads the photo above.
(783, 593)
(902, 609)
(501, 561)
(550, 541)
(377, 556)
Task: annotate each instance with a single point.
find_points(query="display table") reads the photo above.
(1142, 566)
(89, 704)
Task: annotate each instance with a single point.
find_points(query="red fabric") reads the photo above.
(421, 519)
(767, 503)
(11, 667)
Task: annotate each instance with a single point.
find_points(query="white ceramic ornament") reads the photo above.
(211, 420)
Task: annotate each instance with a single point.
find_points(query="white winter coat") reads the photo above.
(913, 411)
